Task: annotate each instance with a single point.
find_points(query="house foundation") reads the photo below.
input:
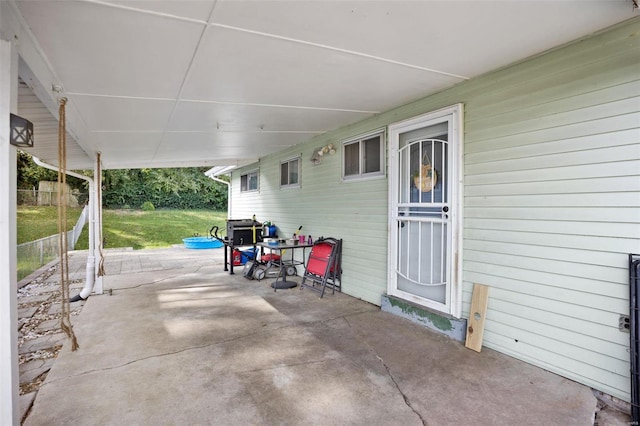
(445, 324)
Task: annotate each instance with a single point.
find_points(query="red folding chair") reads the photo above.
(324, 266)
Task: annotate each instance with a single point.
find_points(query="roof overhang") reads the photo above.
(220, 170)
(218, 83)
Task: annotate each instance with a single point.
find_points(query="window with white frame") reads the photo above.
(290, 173)
(363, 156)
(249, 181)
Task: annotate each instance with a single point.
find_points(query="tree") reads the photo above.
(29, 174)
(183, 188)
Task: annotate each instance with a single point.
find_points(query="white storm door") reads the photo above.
(424, 210)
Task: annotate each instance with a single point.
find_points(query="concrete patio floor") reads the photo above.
(175, 340)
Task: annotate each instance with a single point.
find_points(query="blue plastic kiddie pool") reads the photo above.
(201, 243)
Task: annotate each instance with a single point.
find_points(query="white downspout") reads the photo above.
(96, 223)
(228, 193)
(91, 259)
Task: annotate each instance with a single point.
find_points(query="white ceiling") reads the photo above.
(205, 83)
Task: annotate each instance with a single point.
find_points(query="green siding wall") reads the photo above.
(551, 203)
(552, 206)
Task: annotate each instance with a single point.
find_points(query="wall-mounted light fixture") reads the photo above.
(21, 131)
(318, 153)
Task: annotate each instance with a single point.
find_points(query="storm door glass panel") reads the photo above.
(422, 259)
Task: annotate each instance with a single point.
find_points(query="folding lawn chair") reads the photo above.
(324, 266)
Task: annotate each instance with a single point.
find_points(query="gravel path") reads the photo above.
(40, 337)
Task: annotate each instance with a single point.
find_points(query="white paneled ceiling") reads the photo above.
(177, 83)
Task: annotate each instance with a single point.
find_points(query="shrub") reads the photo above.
(148, 206)
(186, 188)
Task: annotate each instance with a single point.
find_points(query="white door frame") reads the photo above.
(453, 114)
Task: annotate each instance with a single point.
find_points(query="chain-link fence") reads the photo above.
(34, 254)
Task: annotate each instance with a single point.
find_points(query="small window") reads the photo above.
(363, 157)
(290, 173)
(249, 181)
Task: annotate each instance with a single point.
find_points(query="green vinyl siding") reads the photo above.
(551, 203)
(552, 206)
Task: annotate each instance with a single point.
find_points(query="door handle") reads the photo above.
(400, 223)
(445, 209)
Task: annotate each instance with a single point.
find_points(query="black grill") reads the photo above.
(240, 232)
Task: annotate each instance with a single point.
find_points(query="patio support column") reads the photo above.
(96, 223)
(9, 381)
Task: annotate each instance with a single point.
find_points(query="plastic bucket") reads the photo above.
(247, 255)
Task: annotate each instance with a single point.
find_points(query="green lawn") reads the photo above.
(34, 223)
(121, 228)
(152, 229)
